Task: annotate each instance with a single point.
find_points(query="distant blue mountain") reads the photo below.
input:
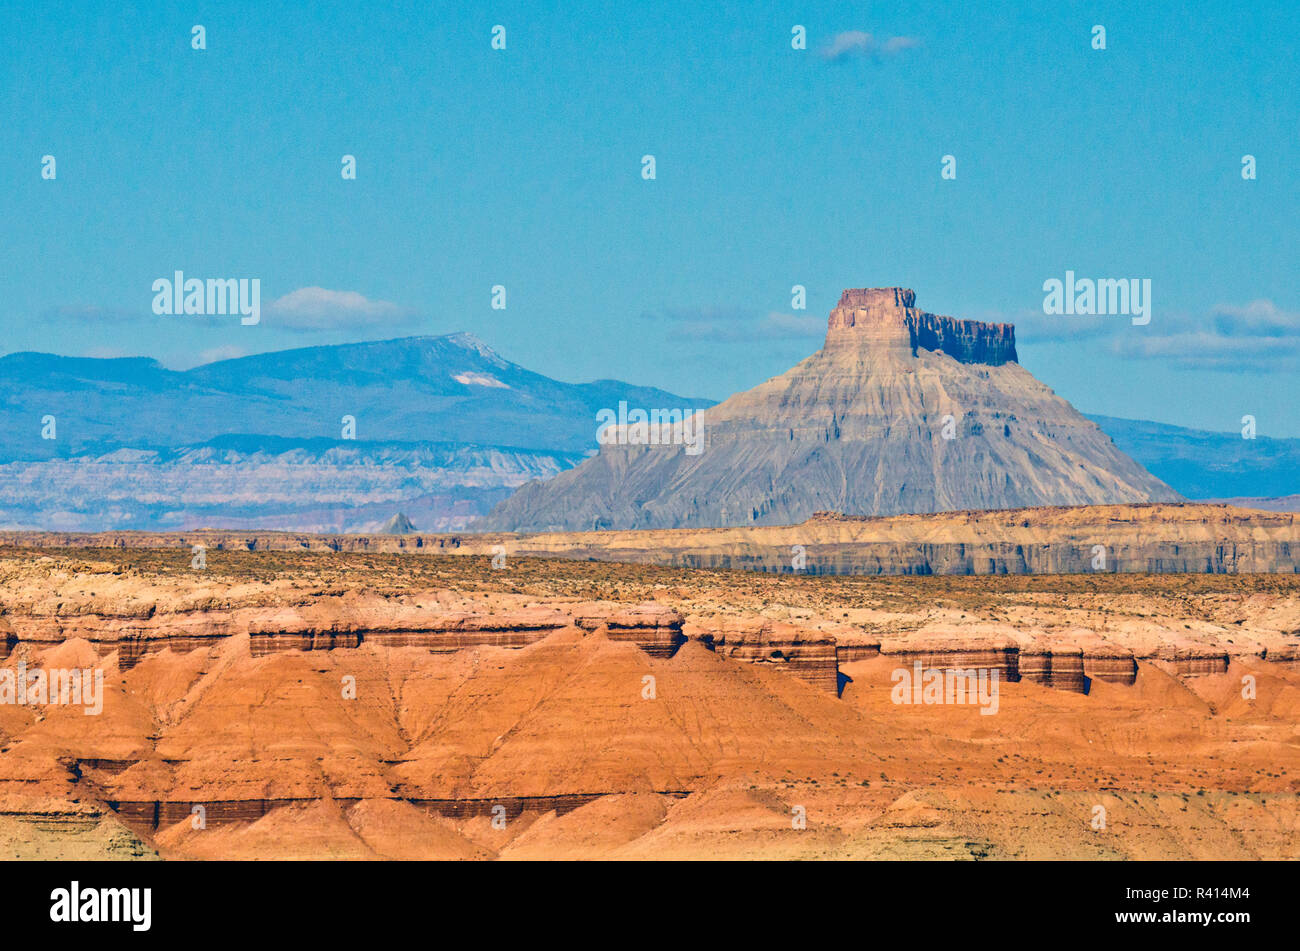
(1208, 465)
(445, 429)
(451, 389)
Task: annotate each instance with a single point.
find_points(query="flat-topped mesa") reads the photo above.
(887, 318)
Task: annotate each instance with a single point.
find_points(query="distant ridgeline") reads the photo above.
(336, 438)
(1208, 465)
(442, 429)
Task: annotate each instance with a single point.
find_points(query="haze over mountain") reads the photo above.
(451, 389)
(442, 429)
(1209, 465)
(901, 411)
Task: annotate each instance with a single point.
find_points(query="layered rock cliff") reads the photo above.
(1157, 538)
(887, 316)
(1177, 538)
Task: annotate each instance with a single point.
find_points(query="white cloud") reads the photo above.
(850, 41)
(1258, 336)
(1259, 318)
(856, 43)
(896, 44)
(317, 308)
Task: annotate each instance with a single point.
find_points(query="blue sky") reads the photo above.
(774, 167)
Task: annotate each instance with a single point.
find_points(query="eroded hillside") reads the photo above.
(380, 705)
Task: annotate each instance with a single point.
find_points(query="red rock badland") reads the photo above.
(326, 704)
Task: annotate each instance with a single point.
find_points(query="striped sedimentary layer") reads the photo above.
(333, 623)
(1158, 538)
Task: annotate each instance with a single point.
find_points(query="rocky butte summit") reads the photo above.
(901, 411)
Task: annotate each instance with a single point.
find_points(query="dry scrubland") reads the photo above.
(524, 689)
